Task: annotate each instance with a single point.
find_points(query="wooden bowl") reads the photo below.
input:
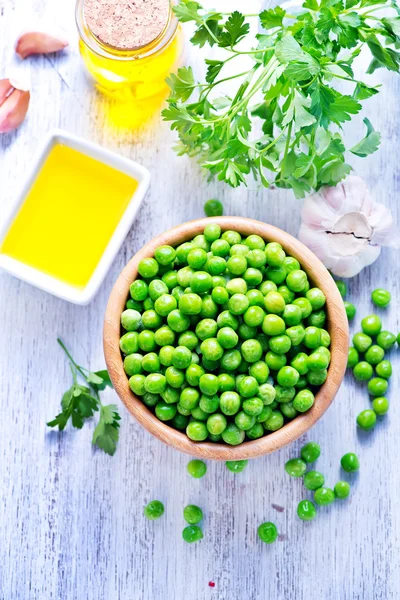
(337, 327)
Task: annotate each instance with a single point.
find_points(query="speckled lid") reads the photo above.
(126, 24)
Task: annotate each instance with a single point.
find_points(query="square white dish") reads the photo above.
(51, 284)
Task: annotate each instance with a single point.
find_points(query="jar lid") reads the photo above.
(126, 24)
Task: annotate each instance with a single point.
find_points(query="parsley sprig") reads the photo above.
(283, 124)
(80, 402)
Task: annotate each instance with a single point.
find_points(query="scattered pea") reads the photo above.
(153, 510)
(350, 462)
(306, 510)
(192, 514)
(192, 533)
(342, 490)
(197, 468)
(324, 496)
(366, 419)
(310, 452)
(381, 297)
(295, 467)
(236, 466)
(213, 208)
(313, 480)
(267, 532)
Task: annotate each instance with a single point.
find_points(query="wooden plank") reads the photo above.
(72, 524)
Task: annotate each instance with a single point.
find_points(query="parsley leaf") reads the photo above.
(80, 402)
(106, 434)
(234, 30)
(272, 18)
(182, 83)
(369, 143)
(291, 90)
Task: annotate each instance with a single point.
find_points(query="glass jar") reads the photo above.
(131, 75)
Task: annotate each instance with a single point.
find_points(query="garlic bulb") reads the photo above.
(345, 227)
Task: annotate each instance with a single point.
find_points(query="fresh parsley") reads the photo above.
(283, 123)
(80, 402)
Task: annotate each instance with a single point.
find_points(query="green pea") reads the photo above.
(260, 371)
(164, 411)
(350, 462)
(129, 342)
(133, 364)
(244, 421)
(197, 431)
(363, 371)
(295, 467)
(231, 360)
(313, 480)
(292, 314)
(366, 419)
(273, 325)
(256, 258)
(196, 468)
(377, 386)
(310, 452)
(342, 287)
(353, 357)
(350, 310)
(362, 342)
(216, 423)
(287, 376)
(371, 325)
(274, 302)
(317, 377)
(232, 435)
(380, 405)
(267, 532)
(136, 383)
(192, 533)
(170, 279)
(303, 401)
(381, 297)
(150, 362)
(155, 383)
(386, 340)
(275, 361)
(192, 514)
(296, 280)
(342, 490)
(131, 320)
(280, 344)
(139, 290)
(291, 264)
(274, 422)
(384, 369)
(267, 286)
(288, 410)
(284, 394)
(324, 496)
(296, 334)
(276, 274)
(226, 382)
(153, 510)
(165, 255)
(316, 298)
(134, 305)
(238, 304)
(220, 295)
(304, 305)
(229, 403)
(148, 268)
(236, 466)
(287, 295)
(198, 414)
(306, 510)
(151, 399)
(275, 254)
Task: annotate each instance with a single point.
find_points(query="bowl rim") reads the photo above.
(337, 327)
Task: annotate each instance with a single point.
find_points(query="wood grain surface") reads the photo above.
(336, 325)
(71, 518)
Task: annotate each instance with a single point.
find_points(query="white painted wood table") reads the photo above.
(71, 519)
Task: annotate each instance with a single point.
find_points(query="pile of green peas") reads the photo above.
(314, 480)
(224, 337)
(368, 361)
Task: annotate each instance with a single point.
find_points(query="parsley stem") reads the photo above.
(273, 142)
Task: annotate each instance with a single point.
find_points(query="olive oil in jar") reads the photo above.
(129, 48)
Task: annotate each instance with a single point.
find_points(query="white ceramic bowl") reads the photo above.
(51, 284)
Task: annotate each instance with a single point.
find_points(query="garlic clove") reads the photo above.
(14, 105)
(345, 227)
(36, 42)
(6, 88)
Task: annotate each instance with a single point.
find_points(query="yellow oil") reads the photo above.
(69, 216)
(135, 78)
